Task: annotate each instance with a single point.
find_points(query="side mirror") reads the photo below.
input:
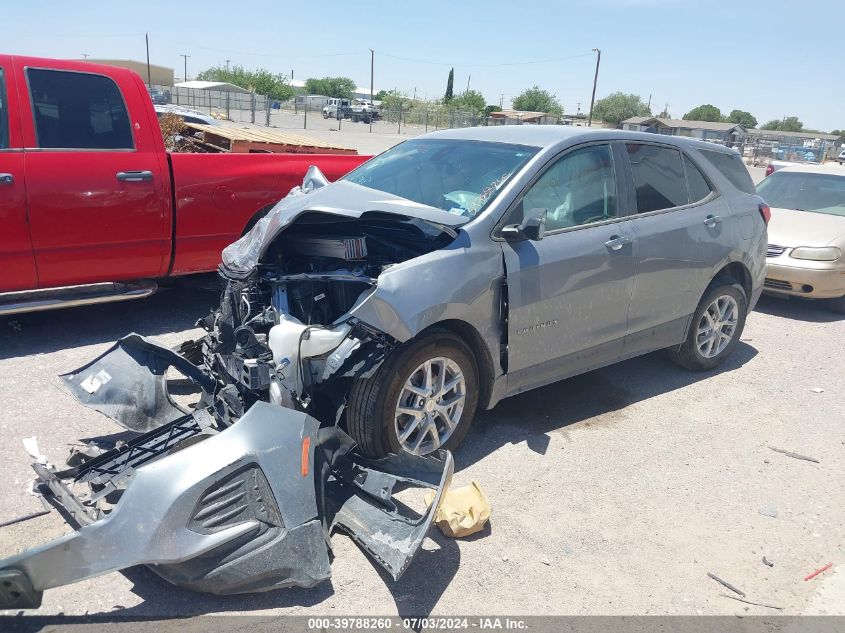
(533, 227)
(314, 179)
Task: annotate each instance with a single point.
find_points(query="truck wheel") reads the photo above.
(422, 398)
(715, 328)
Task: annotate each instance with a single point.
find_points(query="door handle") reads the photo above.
(134, 176)
(6, 179)
(712, 220)
(618, 241)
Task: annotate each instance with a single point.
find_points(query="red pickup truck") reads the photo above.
(92, 207)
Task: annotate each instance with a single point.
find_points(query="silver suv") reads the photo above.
(464, 266)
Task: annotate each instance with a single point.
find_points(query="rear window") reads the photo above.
(78, 111)
(658, 177)
(4, 114)
(731, 167)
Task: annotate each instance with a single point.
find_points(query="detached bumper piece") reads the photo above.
(243, 509)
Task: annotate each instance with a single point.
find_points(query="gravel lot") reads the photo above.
(612, 493)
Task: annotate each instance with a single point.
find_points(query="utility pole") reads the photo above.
(149, 75)
(468, 78)
(649, 102)
(185, 57)
(85, 56)
(227, 66)
(502, 100)
(372, 66)
(577, 108)
(595, 81)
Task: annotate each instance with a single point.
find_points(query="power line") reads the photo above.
(499, 65)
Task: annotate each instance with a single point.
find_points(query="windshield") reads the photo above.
(820, 193)
(457, 176)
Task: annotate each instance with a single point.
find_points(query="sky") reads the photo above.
(775, 58)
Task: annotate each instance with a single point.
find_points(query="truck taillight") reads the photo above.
(770, 169)
(765, 211)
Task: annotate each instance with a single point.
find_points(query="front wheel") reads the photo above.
(422, 398)
(715, 328)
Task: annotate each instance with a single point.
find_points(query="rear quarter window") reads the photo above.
(732, 168)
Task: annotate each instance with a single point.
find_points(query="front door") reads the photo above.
(98, 207)
(568, 293)
(16, 260)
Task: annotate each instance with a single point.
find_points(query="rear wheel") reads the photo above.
(715, 328)
(422, 398)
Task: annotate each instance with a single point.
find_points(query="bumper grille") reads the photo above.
(777, 284)
(773, 250)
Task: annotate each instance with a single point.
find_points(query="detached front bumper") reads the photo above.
(246, 508)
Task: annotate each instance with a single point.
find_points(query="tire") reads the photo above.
(836, 305)
(689, 354)
(372, 418)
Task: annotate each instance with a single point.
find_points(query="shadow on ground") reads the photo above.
(44, 332)
(589, 398)
(797, 309)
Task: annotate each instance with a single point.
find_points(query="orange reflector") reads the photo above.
(306, 450)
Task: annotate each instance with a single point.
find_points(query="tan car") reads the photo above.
(806, 254)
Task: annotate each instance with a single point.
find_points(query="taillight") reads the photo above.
(765, 211)
(770, 169)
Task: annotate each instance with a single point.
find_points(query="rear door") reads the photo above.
(16, 259)
(97, 204)
(682, 233)
(568, 294)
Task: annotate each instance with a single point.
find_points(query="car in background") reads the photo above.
(841, 158)
(159, 97)
(806, 252)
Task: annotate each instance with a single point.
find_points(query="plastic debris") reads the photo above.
(818, 571)
(767, 562)
(759, 604)
(817, 390)
(724, 583)
(769, 510)
(463, 511)
(795, 455)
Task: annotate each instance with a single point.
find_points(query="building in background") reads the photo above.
(729, 134)
(159, 75)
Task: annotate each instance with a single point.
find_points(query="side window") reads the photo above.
(578, 189)
(78, 111)
(4, 113)
(732, 168)
(658, 177)
(699, 188)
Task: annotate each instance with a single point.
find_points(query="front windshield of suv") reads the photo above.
(805, 191)
(457, 176)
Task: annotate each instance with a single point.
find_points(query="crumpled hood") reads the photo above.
(791, 228)
(340, 198)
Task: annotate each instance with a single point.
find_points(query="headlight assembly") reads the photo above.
(817, 254)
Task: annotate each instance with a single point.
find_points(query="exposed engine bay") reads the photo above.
(240, 489)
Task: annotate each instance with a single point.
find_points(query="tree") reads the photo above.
(704, 112)
(380, 95)
(262, 81)
(337, 87)
(450, 82)
(618, 107)
(538, 100)
(787, 124)
(839, 133)
(742, 117)
(490, 109)
(394, 100)
(470, 101)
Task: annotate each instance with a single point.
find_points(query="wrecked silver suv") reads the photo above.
(361, 325)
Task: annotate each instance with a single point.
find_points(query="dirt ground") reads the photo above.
(612, 493)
